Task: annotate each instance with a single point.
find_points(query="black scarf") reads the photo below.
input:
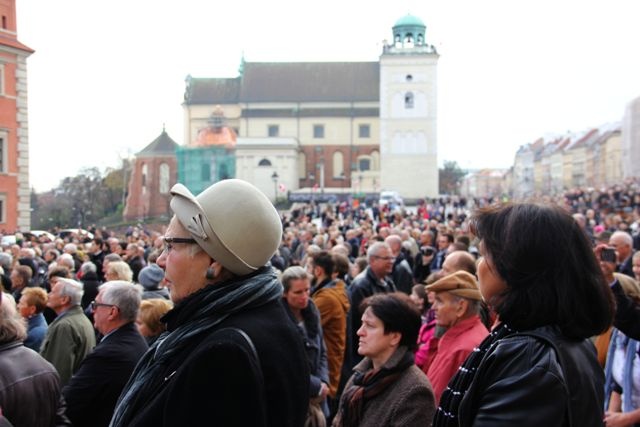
(370, 384)
(190, 320)
(447, 411)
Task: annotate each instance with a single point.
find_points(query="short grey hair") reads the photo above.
(72, 289)
(626, 237)
(125, 295)
(293, 273)
(375, 248)
(88, 267)
(66, 260)
(122, 269)
(5, 260)
(12, 326)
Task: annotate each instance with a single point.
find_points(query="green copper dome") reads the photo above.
(409, 20)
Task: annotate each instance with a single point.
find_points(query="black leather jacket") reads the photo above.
(29, 388)
(522, 381)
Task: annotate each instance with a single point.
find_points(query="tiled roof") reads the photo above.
(162, 145)
(291, 82)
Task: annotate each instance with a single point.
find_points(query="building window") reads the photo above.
(164, 178)
(338, 165)
(364, 164)
(3, 204)
(264, 162)
(144, 175)
(274, 130)
(318, 131)
(364, 131)
(408, 100)
(4, 22)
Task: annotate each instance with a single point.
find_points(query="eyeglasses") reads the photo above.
(385, 258)
(95, 305)
(169, 241)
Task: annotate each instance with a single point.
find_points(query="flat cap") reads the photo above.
(460, 283)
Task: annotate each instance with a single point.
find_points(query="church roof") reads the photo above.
(162, 145)
(291, 82)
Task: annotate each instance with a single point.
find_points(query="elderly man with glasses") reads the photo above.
(230, 355)
(93, 391)
(374, 279)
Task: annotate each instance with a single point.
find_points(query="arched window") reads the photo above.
(163, 173)
(338, 164)
(264, 162)
(144, 175)
(408, 100)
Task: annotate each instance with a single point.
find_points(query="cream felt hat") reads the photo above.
(233, 221)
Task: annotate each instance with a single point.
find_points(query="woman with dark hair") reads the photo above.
(537, 367)
(387, 388)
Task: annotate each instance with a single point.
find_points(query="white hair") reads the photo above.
(72, 289)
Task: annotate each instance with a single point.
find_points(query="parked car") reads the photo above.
(391, 198)
(82, 235)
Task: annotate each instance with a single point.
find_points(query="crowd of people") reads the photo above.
(458, 312)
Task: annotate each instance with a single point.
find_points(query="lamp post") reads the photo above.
(275, 177)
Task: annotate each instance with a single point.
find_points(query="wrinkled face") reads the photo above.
(623, 249)
(448, 309)
(373, 342)
(382, 262)
(102, 314)
(56, 300)
(185, 273)
(298, 294)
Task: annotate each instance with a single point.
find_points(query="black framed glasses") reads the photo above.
(169, 241)
(95, 305)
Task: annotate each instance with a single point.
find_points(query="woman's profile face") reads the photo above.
(489, 281)
(373, 342)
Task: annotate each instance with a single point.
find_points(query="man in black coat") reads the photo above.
(230, 355)
(93, 391)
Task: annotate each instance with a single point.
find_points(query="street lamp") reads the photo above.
(275, 177)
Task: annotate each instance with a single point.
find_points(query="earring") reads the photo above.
(211, 274)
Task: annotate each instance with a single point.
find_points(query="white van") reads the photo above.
(391, 198)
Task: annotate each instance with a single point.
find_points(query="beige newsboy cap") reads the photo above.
(460, 283)
(233, 221)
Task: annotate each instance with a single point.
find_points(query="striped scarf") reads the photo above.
(447, 412)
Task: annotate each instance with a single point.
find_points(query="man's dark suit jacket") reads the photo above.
(93, 391)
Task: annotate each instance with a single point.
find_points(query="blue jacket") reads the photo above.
(37, 329)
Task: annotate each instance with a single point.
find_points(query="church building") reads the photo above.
(325, 127)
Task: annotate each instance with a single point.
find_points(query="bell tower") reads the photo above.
(408, 112)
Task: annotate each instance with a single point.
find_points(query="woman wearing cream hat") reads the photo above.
(230, 355)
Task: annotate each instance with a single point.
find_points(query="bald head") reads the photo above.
(458, 261)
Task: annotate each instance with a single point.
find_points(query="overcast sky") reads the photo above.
(106, 76)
